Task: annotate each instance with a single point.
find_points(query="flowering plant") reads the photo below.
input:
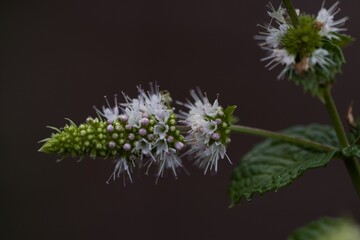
(149, 132)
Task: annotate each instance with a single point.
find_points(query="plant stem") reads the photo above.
(281, 136)
(352, 165)
(291, 11)
(335, 117)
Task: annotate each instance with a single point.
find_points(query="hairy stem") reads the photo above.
(281, 136)
(291, 11)
(352, 165)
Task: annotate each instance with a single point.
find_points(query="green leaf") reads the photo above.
(328, 229)
(229, 111)
(274, 164)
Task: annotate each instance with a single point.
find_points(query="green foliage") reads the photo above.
(229, 111)
(303, 39)
(328, 229)
(229, 114)
(274, 164)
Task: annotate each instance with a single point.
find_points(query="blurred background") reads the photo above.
(59, 58)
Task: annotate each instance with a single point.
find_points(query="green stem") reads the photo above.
(335, 117)
(352, 165)
(281, 136)
(291, 11)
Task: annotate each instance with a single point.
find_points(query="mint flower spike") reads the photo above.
(209, 133)
(140, 132)
(310, 52)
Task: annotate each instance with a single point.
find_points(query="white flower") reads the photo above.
(278, 14)
(161, 147)
(208, 134)
(208, 157)
(161, 129)
(134, 113)
(198, 110)
(153, 103)
(321, 57)
(329, 26)
(169, 160)
(272, 36)
(144, 146)
(271, 41)
(110, 113)
(209, 129)
(121, 167)
(279, 56)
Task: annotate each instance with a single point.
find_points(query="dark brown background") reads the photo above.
(58, 58)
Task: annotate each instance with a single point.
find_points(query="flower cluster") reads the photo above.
(153, 131)
(308, 51)
(209, 132)
(144, 132)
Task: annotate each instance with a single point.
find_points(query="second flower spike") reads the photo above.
(209, 133)
(310, 51)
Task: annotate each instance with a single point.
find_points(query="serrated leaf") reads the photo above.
(328, 229)
(274, 164)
